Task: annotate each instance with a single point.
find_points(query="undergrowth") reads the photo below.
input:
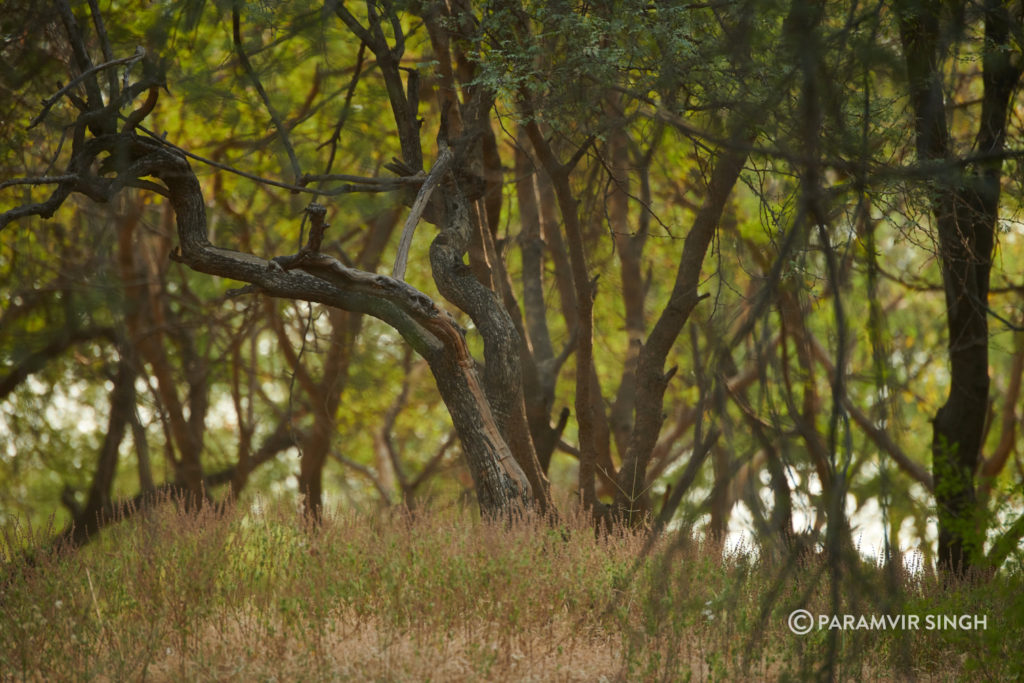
(257, 594)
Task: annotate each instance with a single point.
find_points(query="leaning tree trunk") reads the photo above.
(501, 484)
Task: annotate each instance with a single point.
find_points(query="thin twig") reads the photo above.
(38, 180)
(108, 53)
(346, 107)
(366, 472)
(356, 184)
(1010, 325)
(48, 103)
(433, 463)
(361, 180)
(236, 31)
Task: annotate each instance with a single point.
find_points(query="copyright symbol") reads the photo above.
(801, 622)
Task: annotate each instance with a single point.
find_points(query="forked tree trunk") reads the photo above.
(965, 208)
(652, 380)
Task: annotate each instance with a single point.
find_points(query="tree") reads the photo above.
(964, 194)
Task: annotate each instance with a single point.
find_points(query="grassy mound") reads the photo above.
(255, 594)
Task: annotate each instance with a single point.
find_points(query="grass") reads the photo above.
(255, 594)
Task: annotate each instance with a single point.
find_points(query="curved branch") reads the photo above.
(439, 169)
(501, 483)
(37, 360)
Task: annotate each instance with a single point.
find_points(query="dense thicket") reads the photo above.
(748, 264)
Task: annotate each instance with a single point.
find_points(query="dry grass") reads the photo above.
(257, 595)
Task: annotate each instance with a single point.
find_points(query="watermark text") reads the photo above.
(802, 622)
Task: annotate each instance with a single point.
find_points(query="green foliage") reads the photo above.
(671, 83)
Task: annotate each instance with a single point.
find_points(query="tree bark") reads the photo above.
(502, 374)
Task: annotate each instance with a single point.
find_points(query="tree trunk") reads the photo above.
(539, 376)
(87, 520)
(652, 380)
(965, 209)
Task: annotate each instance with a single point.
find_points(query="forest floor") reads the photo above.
(256, 594)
